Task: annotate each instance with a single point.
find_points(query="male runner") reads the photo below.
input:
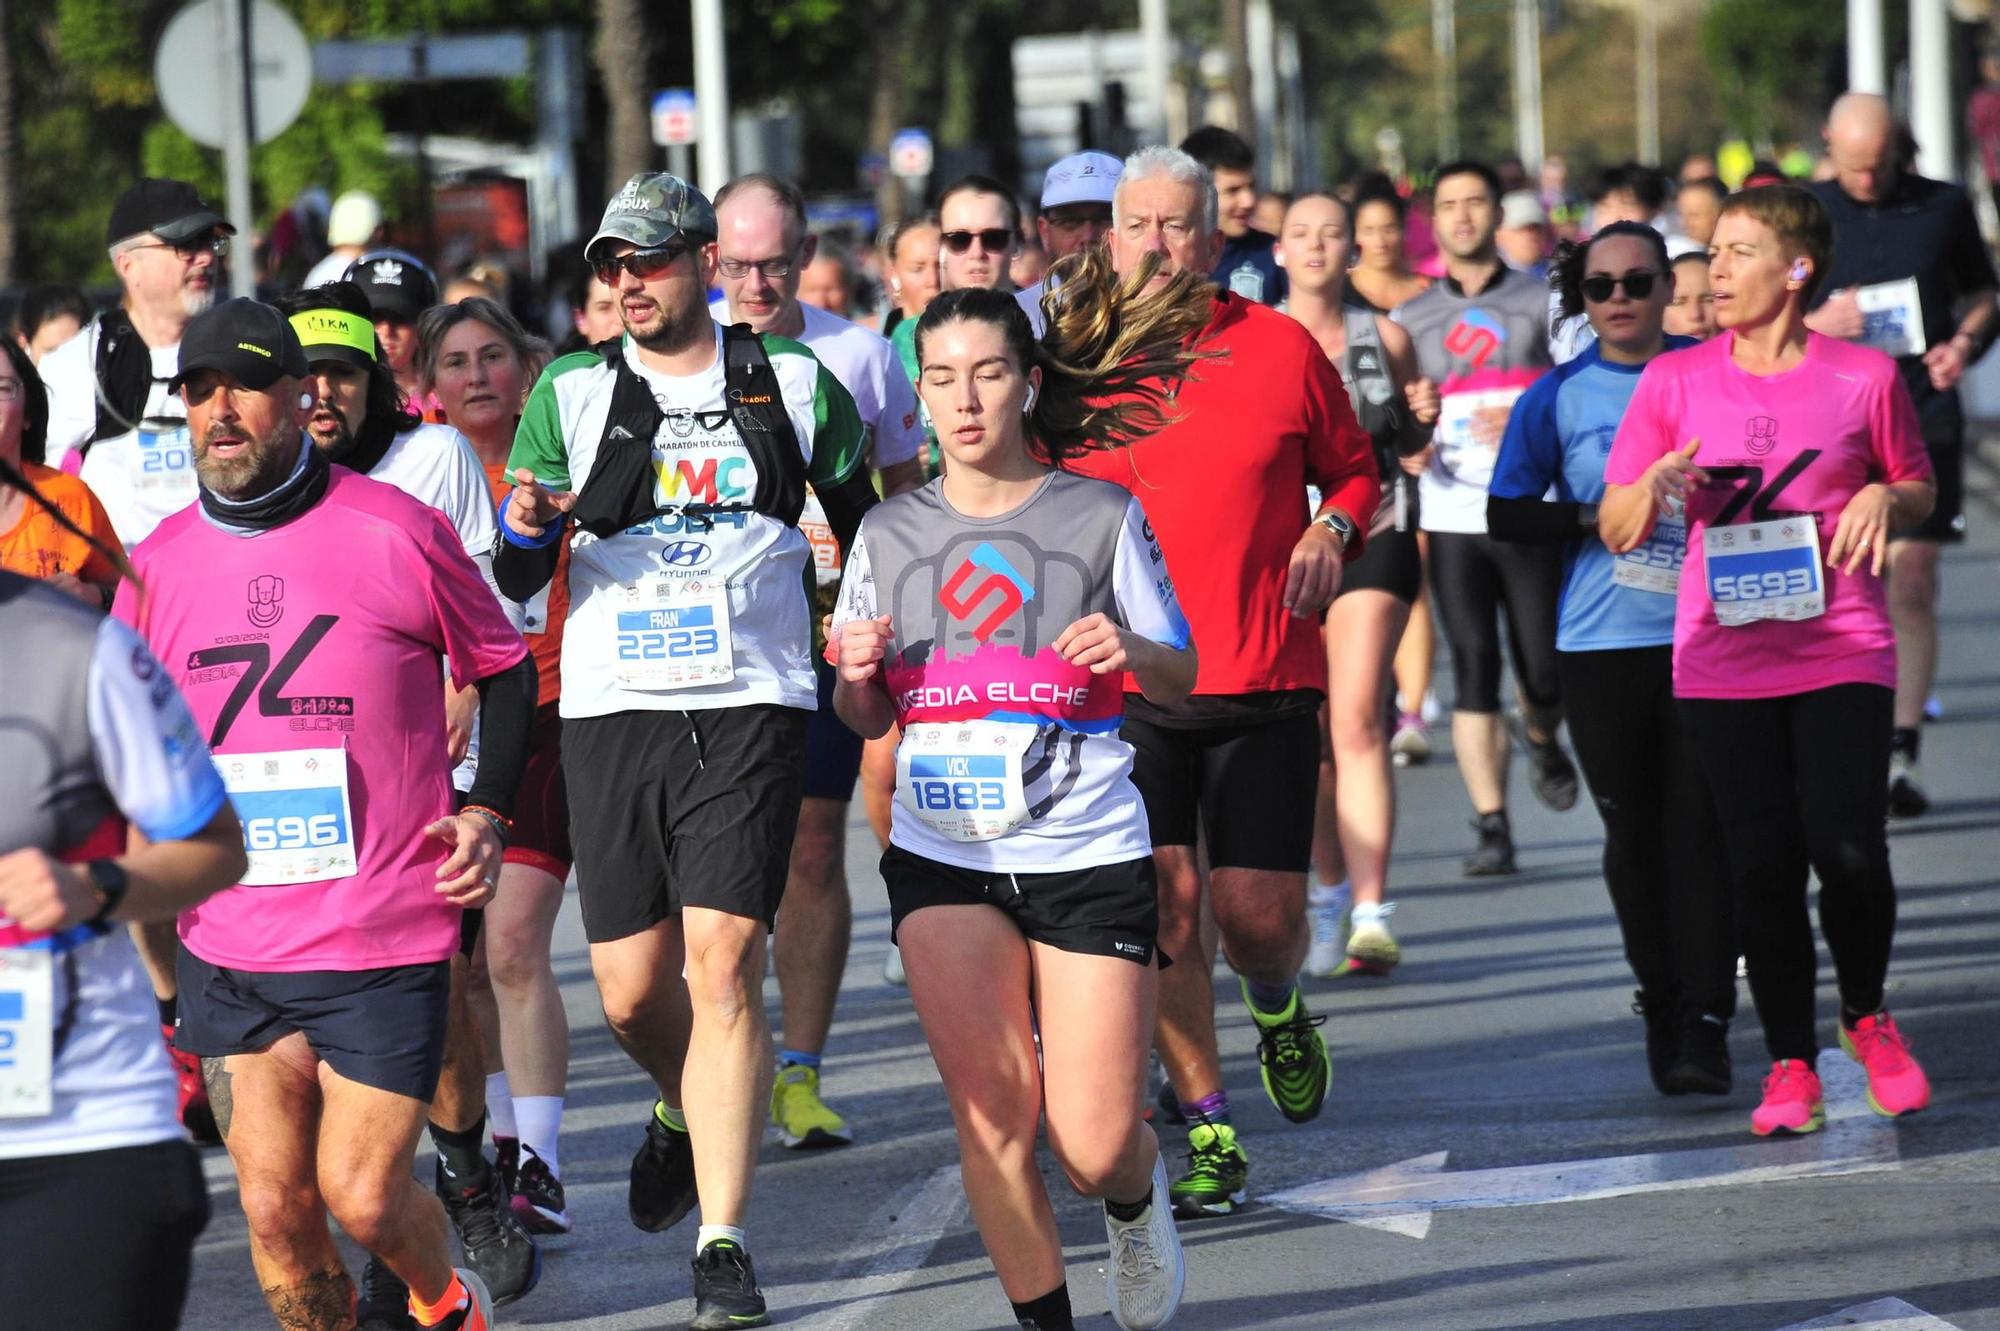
(1257, 420)
(681, 456)
(763, 250)
(1245, 262)
(308, 612)
(1075, 214)
(1910, 276)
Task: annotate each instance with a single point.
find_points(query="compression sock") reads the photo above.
(669, 1117)
(500, 1106)
(541, 1124)
(1214, 1108)
(1270, 1000)
(459, 1153)
(708, 1234)
(788, 1057)
(1048, 1313)
(1905, 740)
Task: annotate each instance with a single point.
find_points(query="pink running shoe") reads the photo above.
(1793, 1102)
(1896, 1085)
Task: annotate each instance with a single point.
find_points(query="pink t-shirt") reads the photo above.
(1804, 441)
(328, 633)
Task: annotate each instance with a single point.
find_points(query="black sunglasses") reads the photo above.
(1638, 286)
(993, 240)
(642, 264)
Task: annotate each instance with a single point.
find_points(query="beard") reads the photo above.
(676, 330)
(195, 301)
(256, 471)
(338, 444)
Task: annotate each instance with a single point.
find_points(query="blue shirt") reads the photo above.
(1559, 435)
(1250, 269)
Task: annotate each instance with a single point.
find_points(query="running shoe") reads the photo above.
(892, 968)
(1371, 948)
(1703, 1067)
(725, 1289)
(538, 1199)
(1554, 778)
(1896, 1085)
(1147, 1272)
(507, 1162)
(1663, 1036)
(1218, 1173)
(802, 1118)
(384, 1302)
(1793, 1101)
(1906, 789)
(1326, 910)
(477, 1314)
(1410, 745)
(497, 1249)
(1494, 855)
(662, 1189)
(1292, 1054)
(196, 1114)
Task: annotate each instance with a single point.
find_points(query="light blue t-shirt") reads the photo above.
(1559, 436)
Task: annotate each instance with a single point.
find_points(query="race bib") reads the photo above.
(672, 634)
(1765, 570)
(27, 1032)
(1656, 565)
(1464, 453)
(163, 462)
(819, 535)
(298, 826)
(964, 778)
(1892, 317)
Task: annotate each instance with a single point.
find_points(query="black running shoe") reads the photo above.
(384, 1304)
(1495, 853)
(1703, 1067)
(662, 1178)
(538, 1202)
(725, 1289)
(497, 1249)
(1663, 1036)
(1554, 774)
(507, 1162)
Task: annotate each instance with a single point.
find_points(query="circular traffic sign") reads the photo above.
(187, 69)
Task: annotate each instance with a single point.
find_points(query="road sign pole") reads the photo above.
(238, 132)
(711, 95)
(679, 160)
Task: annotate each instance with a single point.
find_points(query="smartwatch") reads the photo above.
(108, 879)
(1339, 524)
(1586, 518)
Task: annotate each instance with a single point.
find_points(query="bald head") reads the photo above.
(1861, 143)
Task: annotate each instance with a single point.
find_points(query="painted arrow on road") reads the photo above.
(1881, 1315)
(1401, 1197)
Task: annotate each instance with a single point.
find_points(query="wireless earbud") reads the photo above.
(1028, 403)
(1800, 271)
(307, 399)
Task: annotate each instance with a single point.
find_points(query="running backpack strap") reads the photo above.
(619, 493)
(757, 403)
(124, 375)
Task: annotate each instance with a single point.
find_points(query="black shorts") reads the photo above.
(1111, 910)
(541, 807)
(833, 752)
(1390, 562)
(381, 1028)
(1247, 787)
(1942, 417)
(677, 809)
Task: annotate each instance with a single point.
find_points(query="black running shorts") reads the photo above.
(1111, 910)
(381, 1028)
(1246, 786)
(1391, 562)
(833, 752)
(677, 809)
(1942, 418)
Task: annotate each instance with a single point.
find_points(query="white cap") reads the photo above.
(354, 219)
(1519, 208)
(1085, 177)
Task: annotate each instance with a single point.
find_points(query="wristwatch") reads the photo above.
(1586, 518)
(108, 879)
(1339, 524)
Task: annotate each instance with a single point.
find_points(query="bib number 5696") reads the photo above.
(292, 833)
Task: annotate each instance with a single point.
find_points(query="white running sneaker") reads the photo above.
(1147, 1273)
(892, 968)
(1327, 908)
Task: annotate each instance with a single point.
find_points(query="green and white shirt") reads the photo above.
(693, 609)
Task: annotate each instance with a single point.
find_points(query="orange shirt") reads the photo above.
(547, 611)
(38, 547)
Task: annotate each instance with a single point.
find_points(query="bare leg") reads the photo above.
(1913, 593)
(646, 1002)
(1417, 650)
(1096, 1013)
(159, 947)
(1362, 630)
(533, 1039)
(1262, 916)
(1480, 739)
(814, 925)
(460, 1101)
(1185, 1032)
(727, 1083)
(365, 1140)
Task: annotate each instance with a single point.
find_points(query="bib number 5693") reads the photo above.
(1762, 586)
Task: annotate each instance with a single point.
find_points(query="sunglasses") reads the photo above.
(1638, 286)
(993, 240)
(642, 264)
(212, 242)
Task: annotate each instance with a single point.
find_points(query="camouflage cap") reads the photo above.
(651, 210)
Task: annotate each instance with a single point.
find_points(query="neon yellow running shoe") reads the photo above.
(801, 1117)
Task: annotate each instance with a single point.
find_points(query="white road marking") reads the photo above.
(858, 1288)
(1881, 1315)
(1400, 1198)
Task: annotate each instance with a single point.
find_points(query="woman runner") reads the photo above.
(1614, 647)
(55, 531)
(1784, 658)
(991, 614)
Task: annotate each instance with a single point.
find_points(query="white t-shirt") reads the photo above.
(142, 476)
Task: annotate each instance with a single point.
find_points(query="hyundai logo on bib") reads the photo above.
(684, 554)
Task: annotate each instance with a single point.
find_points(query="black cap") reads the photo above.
(245, 339)
(397, 284)
(170, 209)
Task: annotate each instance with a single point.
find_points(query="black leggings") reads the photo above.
(1472, 576)
(100, 1239)
(1663, 859)
(1798, 782)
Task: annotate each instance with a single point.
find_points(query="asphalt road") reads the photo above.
(1504, 1041)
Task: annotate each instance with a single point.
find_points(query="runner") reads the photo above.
(989, 615)
(316, 993)
(100, 1194)
(479, 363)
(682, 455)
(1259, 417)
(1482, 334)
(49, 315)
(1245, 263)
(1355, 809)
(1614, 646)
(399, 287)
(1785, 666)
(979, 228)
(51, 526)
(1691, 312)
(762, 248)
(594, 311)
(1910, 276)
(910, 251)
(1075, 214)
(1382, 275)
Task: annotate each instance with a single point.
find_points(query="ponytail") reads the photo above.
(11, 475)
